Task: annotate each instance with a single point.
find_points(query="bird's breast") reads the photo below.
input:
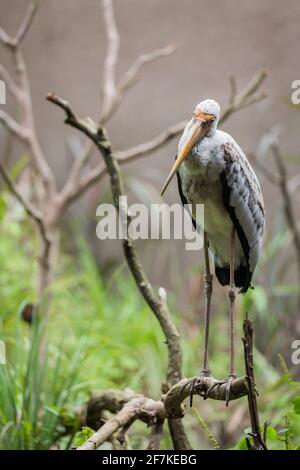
(201, 185)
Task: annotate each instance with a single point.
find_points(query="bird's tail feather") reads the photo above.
(242, 277)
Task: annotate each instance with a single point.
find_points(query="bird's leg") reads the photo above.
(231, 297)
(208, 280)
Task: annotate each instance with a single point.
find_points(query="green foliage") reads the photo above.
(213, 441)
(101, 334)
(283, 431)
(82, 435)
(123, 343)
(35, 389)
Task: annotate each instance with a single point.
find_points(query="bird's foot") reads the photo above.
(191, 384)
(228, 383)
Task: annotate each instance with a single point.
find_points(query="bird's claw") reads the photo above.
(206, 373)
(191, 385)
(228, 383)
(228, 387)
(212, 387)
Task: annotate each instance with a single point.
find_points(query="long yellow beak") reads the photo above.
(197, 132)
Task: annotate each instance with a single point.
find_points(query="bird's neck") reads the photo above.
(212, 131)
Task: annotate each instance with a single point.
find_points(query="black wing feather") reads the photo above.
(242, 275)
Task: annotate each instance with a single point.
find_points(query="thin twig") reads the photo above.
(13, 126)
(265, 171)
(130, 78)
(25, 25)
(287, 200)
(112, 97)
(246, 97)
(24, 130)
(109, 80)
(32, 211)
(11, 85)
(258, 441)
(14, 42)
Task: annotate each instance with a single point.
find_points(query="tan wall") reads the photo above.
(65, 48)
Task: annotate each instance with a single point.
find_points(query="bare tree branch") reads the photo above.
(109, 81)
(14, 42)
(78, 185)
(25, 129)
(11, 86)
(31, 210)
(33, 213)
(138, 408)
(5, 38)
(120, 402)
(233, 89)
(246, 97)
(287, 201)
(205, 387)
(12, 126)
(112, 97)
(158, 305)
(266, 172)
(156, 434)
(258, 440)
(26, 23)
(131, 77)
(236, 102)
(152, 145)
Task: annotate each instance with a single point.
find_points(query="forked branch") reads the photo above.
(137, 408)
(249, 95)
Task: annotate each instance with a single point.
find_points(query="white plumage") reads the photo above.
(213, 170)
(217, 174)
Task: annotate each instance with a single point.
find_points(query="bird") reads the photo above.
(213, 170)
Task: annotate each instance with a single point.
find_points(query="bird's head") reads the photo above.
(209, 111)
(204, 122)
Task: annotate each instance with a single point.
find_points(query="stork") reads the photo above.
(213, 170)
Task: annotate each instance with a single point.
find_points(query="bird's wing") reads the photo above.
(183, 198)
(242, 197)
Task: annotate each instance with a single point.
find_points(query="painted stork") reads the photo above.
(213, 170)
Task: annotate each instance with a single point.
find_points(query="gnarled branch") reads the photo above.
(137, 408)
(180, 391)
(158, 305)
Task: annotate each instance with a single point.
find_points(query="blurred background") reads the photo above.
(98, 321)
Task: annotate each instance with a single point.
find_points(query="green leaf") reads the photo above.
(271, 433)
(82, 436)
(296, 405)
(242, 445)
